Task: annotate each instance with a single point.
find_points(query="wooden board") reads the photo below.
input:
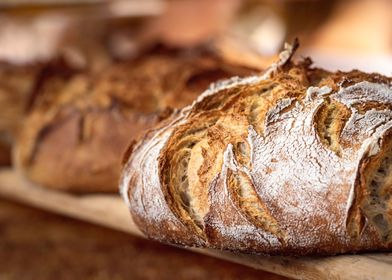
(110, 211)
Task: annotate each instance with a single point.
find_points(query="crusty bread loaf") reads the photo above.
(296, 161)
(16, 84)
(19, 87)
(74, 138)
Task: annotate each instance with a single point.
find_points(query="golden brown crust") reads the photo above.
(19, 88)
(74, 138)
(271, 164)
(16, 85)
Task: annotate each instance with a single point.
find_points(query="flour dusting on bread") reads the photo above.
(295, 161)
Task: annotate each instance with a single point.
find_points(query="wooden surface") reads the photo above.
(37, 244)
(110, 211)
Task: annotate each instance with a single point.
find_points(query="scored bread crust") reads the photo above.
(295, 162)
(77, 131)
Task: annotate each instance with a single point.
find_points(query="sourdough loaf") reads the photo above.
(16, 85)
(74, 138)
(20, 85)
(296, 161)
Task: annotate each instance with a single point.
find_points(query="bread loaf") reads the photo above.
(74, 138)
(19, 88)
(296, 161)
(16, 84)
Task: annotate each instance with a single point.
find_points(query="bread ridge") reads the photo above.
(291, 146)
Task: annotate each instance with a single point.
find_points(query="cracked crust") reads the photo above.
(297, 162)
(73, 140)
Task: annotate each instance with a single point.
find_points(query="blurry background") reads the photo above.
(90, 34)
(345, 30)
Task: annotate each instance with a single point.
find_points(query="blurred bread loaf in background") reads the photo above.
(73, 139)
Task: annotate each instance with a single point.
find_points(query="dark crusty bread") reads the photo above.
(74, 138)
(16, 84)
(296, 162)
(19, 87)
